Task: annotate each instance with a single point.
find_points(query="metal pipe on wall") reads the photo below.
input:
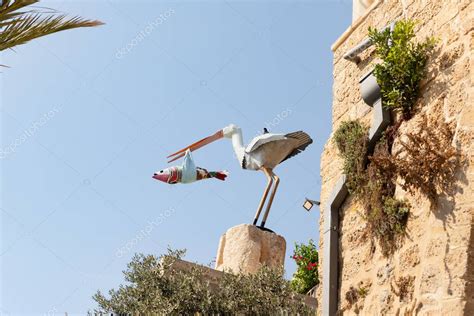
(352, 54)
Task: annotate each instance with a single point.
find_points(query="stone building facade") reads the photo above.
(438, 251)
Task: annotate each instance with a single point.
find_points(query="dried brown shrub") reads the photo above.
(386, 216)
(352, 296)
(355, 294)
(426, 161)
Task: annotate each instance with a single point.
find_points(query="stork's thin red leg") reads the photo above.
(269, 205)
(268, 173)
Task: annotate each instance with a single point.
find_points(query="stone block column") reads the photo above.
(246, 248)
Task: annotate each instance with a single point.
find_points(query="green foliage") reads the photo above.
(19, 25)
(306, 275)
(403, 65)
(351, 139)
(372, 186)
(390, 221)
(363, 291)
(154, 287)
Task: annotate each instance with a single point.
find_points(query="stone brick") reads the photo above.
(430, 279)
(450, 55)
(435, 247)
(467, 116)
(455, 100)
(409, 258)
(467, 18)
(384, 273)
(452, 307)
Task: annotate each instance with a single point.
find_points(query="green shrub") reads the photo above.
(154, 288)
(306, 275)
(396, 214)
(351, 139)
(403, 65)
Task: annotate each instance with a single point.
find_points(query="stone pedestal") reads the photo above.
(246, 248)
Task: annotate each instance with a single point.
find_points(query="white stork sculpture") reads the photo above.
(264, 153)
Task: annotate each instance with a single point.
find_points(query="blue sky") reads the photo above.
(88, 115)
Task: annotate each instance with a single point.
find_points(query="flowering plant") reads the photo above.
(306, 275)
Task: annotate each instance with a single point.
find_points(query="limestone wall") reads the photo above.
(439, 248)
(360, 7)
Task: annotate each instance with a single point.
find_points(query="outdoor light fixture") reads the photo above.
(308, 204)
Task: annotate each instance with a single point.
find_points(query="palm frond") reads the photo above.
(10, 8)
(19, 27)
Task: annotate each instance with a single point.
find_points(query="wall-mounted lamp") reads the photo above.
(308, 204)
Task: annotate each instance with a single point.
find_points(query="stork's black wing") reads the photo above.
(303, 141)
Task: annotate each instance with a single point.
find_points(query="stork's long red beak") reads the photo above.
(196, 145)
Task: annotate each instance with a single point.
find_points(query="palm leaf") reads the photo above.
(19, 27)
(10, 9)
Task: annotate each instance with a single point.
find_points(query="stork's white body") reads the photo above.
(266, 150)
(263, 153)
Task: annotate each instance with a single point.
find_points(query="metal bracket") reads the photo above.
(352, 54)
